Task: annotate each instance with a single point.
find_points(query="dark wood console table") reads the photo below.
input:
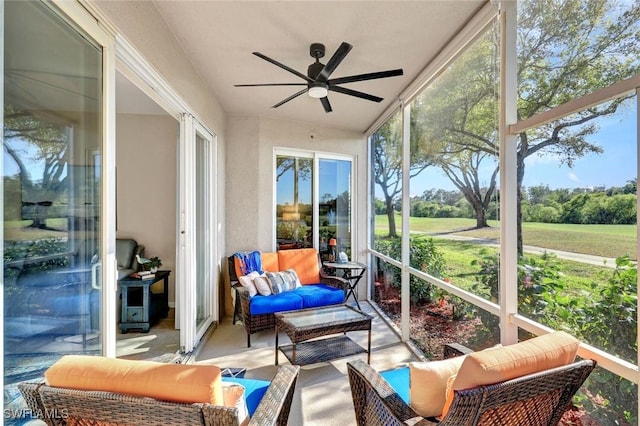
(141, 307)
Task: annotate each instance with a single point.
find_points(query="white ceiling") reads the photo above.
(220, 36)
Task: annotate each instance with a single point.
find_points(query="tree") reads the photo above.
(387, 161)
(459, 110)
(579, 47)
(300, 168)
(387, 165)
(46, 143)
(566, 49)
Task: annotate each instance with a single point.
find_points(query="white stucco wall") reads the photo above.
(142, 26)
(140, 23)
(250, 188)
(245, 144)
(250, 176)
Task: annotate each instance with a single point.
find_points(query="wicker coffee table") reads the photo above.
(303, 325)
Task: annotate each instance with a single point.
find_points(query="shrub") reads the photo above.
(423, 255)
(605, 317)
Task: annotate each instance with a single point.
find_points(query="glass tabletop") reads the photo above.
(346, 265)
(320, 316)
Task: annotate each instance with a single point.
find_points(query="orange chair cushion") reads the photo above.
(428, 384)
(166, 382)
(506, 363)
(303, 261)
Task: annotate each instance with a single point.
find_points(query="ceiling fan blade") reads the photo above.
(270, 84)
(335, 60)
(355, 93)
(295, 95)
(283, 66)
(368, 76)
(325, 104)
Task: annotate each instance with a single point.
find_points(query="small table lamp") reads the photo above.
(332, 250)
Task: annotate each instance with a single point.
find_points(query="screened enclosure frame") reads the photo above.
(506, 308)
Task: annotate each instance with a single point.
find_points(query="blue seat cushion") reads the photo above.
(286, 301)
(398, 378)
(254, 390)
(314, 295)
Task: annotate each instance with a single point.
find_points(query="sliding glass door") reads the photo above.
(197, 277)
(205, 231)
(313, 201)
(53, 186)
(334, 207)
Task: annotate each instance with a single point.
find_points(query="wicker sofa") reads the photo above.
(318, 288)
(65, 405)
(535, 399)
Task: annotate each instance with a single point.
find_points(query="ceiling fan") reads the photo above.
(317, 79)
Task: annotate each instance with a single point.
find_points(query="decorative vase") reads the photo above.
(153, 269)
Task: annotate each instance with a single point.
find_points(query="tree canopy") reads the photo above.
(566, 49)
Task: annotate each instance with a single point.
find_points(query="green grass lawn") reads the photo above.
(597, 240)
(459, 255)
(18, 230)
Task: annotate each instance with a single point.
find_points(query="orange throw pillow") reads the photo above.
(166, 382)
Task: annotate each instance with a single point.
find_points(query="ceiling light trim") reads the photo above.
(318, 90)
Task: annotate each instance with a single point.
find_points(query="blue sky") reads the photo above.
(614, 167)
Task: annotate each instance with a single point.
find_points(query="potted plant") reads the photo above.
(154, 264)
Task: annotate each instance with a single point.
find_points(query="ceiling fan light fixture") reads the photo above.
(318, 90)
(318, 82)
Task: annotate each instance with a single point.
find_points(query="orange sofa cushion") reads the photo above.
(166, 382)
(506, 363)
(303, 261)
(270, 262)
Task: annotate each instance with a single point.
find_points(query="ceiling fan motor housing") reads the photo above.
(316, 50)
(314, 69)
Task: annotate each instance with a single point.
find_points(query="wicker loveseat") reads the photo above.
(65, 405)
(535, 399)
(317, 288)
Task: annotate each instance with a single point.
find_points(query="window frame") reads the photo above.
(316, 157)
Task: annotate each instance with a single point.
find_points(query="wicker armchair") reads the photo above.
(535, 399)
(60, 406)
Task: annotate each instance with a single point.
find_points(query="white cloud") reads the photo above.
(572, 176)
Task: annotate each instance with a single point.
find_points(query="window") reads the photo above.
(453, 197)
(304, 219)
(294, 205)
